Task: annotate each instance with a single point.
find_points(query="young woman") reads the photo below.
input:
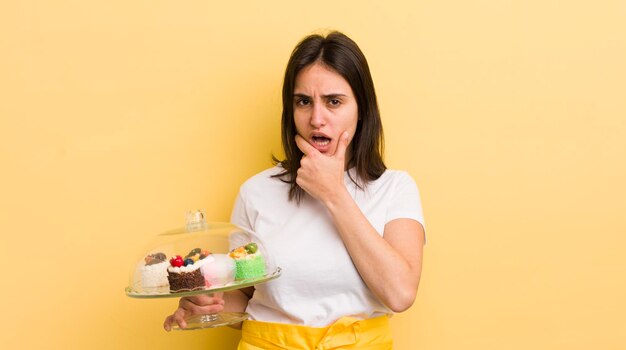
(347, 232)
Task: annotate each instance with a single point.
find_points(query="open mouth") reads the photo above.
(321, 140)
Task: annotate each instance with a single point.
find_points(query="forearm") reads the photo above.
(390, 275)
(237, 301)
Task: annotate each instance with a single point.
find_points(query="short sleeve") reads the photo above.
(239, 215)
(405, 201)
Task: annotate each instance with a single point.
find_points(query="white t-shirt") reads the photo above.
(319, 283)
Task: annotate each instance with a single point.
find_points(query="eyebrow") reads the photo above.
(324, 96)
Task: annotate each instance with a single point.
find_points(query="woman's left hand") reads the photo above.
(322, 175)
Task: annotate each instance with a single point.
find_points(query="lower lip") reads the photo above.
(321, 148)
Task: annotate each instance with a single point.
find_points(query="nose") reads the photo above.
(318, 117)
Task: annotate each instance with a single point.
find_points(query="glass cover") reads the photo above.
(203, 257)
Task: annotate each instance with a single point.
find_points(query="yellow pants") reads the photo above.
(346, 333)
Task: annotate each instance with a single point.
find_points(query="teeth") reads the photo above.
(322, 142)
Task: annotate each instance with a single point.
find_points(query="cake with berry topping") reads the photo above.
(184, 274)
(249, 263)
(154, 272)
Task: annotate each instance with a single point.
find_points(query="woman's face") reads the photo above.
(324, 107)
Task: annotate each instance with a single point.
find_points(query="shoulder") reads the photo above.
(396, 174)
(394, 183)
(393, 177)
(263, 181)
(261, 196)
(267, 175)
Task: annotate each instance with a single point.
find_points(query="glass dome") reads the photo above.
(201, 258)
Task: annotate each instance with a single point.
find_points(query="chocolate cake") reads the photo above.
(185, 281)
(185, 274)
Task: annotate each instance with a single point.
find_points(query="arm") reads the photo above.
(389, 265)
(237, 301)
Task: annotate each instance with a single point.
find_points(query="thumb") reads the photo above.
(342, 145)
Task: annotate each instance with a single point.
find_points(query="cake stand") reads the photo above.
(204, 243)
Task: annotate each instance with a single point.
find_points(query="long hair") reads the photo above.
(339, 53)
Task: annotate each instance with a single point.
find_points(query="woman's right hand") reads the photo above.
(192, 306)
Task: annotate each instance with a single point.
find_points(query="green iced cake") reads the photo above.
(249, 263)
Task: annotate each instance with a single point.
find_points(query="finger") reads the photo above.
(217, 300)
(304, 146)
(213, 305)
(167, 325)
(202, 300)
(300, 177)
(342, 145)
(179, 318)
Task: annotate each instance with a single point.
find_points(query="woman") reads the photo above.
(347, 232)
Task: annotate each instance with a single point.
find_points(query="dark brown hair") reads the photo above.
(339, 53)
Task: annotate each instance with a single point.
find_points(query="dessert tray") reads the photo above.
(201, 258)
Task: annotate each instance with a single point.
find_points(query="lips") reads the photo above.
(320, 141)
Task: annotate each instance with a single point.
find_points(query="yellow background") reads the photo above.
(119, 116)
